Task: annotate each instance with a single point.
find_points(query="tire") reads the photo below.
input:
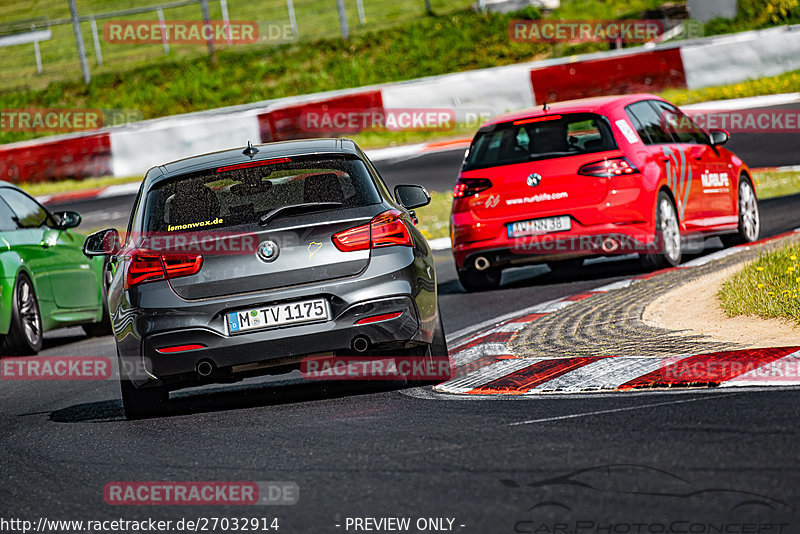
(143, 402)
(474, 280)
(25, 331)
(567, 267)
(749, 216)
(668, 235)
(103, 328)
(435, 352)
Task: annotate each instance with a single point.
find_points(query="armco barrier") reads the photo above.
(285, 122)
(635, 73)
(78, 156)
(137, 147)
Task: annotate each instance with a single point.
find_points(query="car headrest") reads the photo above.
(324, 187)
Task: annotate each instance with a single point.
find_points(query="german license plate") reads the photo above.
(306, 311)
(546, 225)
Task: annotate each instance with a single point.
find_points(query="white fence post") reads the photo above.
(96, 41)
(163, 25)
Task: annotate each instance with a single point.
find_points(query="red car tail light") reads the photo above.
(379, 318)
(466, 187)
(385, 230)
(180, 348)
(609, 168)
(537, 119)
(148, 266)
(251, 164)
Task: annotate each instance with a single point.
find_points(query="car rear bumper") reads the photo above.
(580, 241)
(160, 319)
(280, 344)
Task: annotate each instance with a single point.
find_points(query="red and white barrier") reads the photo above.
(134, 148)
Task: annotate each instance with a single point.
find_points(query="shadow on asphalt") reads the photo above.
(227, 398)
(541, 275)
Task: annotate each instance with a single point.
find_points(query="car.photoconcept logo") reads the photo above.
(268, 251)
(534, 179)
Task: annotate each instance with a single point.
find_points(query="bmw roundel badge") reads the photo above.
(534, 179)
(268, 251)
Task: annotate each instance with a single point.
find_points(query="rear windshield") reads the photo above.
(554, 136)
(211, 199)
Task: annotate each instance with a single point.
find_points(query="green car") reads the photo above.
(46, 282)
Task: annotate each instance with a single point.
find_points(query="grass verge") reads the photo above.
(769, 287)
(67, 186)
(776, 184)
(434, 219)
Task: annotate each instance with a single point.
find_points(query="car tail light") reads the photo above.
(148, 266)
(466, 187)
(385, 230)
(537, 119)
(180, 348)
(251, 164)
(608, 168)
(379, 318)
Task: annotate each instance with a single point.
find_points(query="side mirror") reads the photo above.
(67, 219)
(102, 243)
(412, 196)
(719, 137)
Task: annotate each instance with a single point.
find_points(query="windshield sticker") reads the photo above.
(171, 228)
(627, 131)
(313, 248)
(542, 197)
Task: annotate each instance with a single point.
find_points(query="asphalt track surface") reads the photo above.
(704, 458)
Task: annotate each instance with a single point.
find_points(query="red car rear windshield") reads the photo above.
(240, 194)
(551, 136)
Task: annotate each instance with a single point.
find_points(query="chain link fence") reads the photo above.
(38, 38)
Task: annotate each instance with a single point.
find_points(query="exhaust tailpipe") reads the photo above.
(360, 344)
(481, 263)
(205, 368)
(610, 245)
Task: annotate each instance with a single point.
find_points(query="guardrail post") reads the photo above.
(223, 5)
(207, 26)
(164, 39)
(292, 19)
(76, 27)
(37, 53)
(362, 18)
(343, 19)
(96, 41)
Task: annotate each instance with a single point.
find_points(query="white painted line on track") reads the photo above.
(724, 253)
(615, 410)
(622, 284)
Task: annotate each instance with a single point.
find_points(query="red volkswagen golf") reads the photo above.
(600, 176)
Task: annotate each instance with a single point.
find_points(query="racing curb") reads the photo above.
(484, 363)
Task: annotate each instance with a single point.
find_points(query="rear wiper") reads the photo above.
(308, 206)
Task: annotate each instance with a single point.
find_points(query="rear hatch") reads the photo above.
(265, 225)
(533, 165)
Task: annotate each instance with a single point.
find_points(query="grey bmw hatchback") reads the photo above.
(245, 262)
